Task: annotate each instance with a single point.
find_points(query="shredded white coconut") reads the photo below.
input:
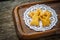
(53, 18)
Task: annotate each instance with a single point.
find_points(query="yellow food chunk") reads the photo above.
(39, 15)
(35, 17)
(47, 13)
(45, 18)
(35, 21)
(31, 14)
(38, 11)
(45, 22)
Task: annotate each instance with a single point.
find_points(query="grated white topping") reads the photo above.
(53, 18)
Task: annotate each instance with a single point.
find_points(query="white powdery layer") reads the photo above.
(53, 18)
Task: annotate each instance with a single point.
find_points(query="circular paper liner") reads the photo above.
(53, 18)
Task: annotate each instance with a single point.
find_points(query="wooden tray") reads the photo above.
(23, 31)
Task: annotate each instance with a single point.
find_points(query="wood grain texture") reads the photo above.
(25, 32)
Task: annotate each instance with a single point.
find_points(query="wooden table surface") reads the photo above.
(7, 28)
